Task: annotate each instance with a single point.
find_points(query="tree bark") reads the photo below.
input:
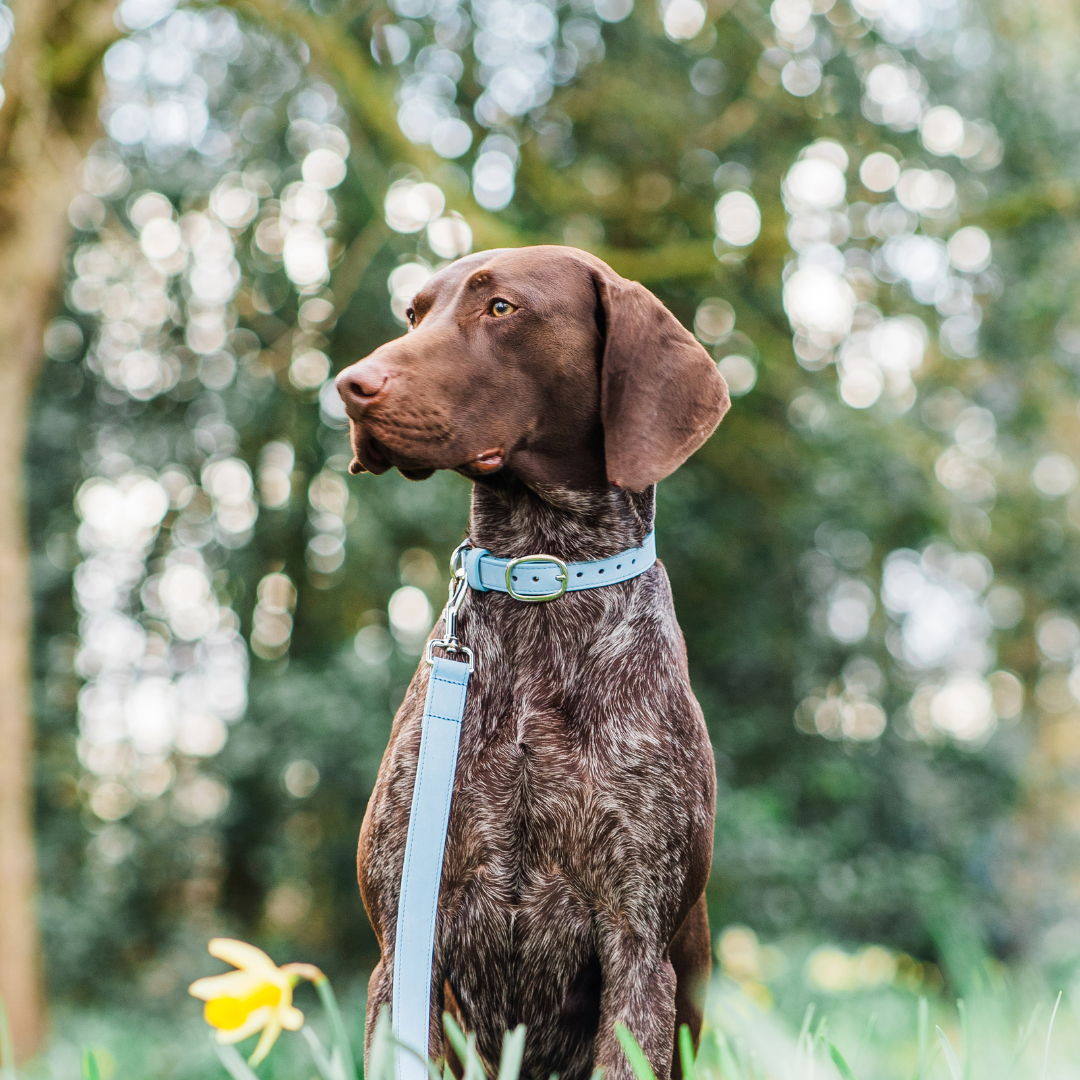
(48, 119)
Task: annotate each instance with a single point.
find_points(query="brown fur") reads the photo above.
(581, 830)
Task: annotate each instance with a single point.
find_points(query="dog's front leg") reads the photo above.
(638, 991)
(380, 993)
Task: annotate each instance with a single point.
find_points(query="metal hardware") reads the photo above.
(450, 647)
(459, 586)
(564, 577)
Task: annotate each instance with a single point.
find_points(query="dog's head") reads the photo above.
(540, 361)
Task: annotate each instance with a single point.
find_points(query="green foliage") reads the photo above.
(634, 1054)
(950, 1055)
(90, 1069)
(234, 1064)
(842, 1066)
(880, 1034)
(906, 838)
(512, 1052)
(343, 1067)
(686, 1052)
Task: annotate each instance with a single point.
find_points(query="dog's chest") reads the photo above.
(562, 790)
(583, 759)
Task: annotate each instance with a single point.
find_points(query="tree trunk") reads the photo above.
(48, 119)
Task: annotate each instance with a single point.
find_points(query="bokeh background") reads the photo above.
(865, 208)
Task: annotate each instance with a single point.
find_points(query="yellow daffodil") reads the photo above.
(255, 997)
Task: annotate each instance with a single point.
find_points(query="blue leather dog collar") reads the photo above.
(544, 577)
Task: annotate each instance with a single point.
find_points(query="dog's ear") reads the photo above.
(661, 395)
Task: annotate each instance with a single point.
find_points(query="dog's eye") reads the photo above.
(411, 316)
(499, 308)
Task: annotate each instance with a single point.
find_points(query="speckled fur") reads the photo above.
(581, 829)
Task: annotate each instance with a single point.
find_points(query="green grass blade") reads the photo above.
(950, 1055)
(639, 1063)
(339, 1035)
(90, 1069)
(513, 1050)
(328, 1069)
(1049, 1032)
(707, 1062)
(818, 1037)
(7, 1046)
(432, 1068)
(456, 1037)
(686, 1053)
(865, 1041)
(965, 1031)
(842, 1066)
(474, 1068)
(465, 1048)
(381, 1059)
(380, 1065)
(229, 1057)
(1025, 1033)
(803, 1045)
(730, 1069)
(924, 1037)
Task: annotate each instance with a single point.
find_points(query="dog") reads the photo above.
(581, 829)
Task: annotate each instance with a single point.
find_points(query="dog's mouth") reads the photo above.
(374, 456)
(368, 455)
(483, 464)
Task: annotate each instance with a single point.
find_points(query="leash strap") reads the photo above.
(533, 578)
(418, 901)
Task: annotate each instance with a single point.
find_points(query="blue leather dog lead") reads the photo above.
(418, 901)
(534, 578)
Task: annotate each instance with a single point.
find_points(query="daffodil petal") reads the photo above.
(242, 955)
(269, 1037)
(257, 1021)
(231, 984)
(290, 1018)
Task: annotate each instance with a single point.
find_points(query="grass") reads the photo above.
(1009, 1026)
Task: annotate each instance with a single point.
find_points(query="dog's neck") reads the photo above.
(511, 520)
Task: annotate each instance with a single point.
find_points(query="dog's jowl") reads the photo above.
(581, 828)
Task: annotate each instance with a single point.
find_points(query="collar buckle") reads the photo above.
(563, 577)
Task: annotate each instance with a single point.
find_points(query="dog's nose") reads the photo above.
(359, 384)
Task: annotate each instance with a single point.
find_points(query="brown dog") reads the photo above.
(581, 829)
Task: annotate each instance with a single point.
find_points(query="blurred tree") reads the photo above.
(47, 122)
(820, 190)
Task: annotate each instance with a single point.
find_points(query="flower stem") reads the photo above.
(337, 1025)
